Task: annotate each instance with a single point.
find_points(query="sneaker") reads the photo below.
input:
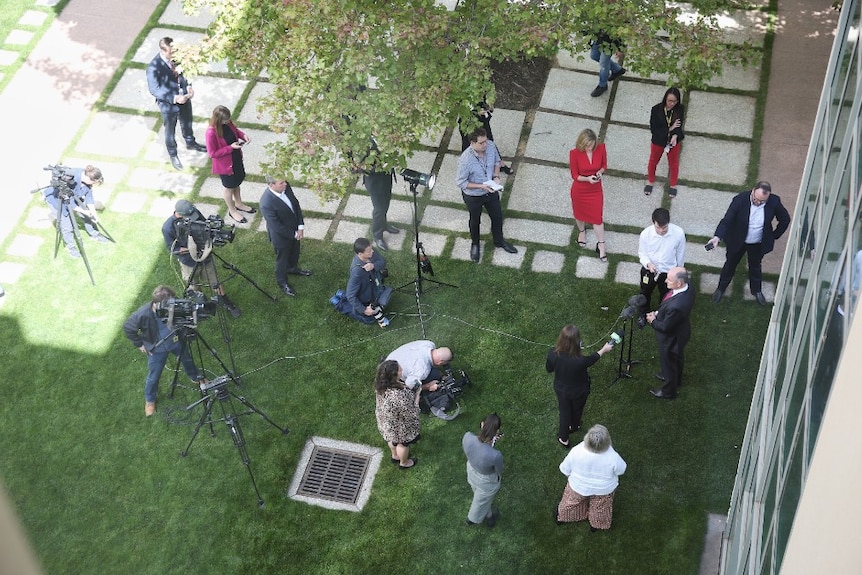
(598, 91)
(617, 74)
(74, 252)
(150, 408)
(383, 322)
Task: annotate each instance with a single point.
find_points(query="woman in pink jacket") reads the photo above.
(224, 146)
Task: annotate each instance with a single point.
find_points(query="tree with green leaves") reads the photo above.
(347, 71)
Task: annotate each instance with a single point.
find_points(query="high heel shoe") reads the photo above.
(602, 258)
(583, 244)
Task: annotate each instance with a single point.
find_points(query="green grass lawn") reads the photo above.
(102, 489)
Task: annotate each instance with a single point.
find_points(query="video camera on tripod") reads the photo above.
(62, 180)
(211, 229)
(185, 312)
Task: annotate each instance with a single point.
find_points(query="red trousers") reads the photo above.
(655, 154)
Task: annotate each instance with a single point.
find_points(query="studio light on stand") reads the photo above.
(423, 264)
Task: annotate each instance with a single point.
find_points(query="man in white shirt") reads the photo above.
(661, 248)
(419, 361)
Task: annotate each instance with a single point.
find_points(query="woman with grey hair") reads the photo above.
(593, 468)
(484, 470)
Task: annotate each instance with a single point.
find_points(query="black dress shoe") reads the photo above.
(176, 163)
(508, 247)
(287, 290)
(249, 210)
(662, 395)
(381, 244)
(196, 147)
(761, 299)
(242, 220)
(716, 295)
(474, 253)
(617, 74)
(392, 229)
(299, 272)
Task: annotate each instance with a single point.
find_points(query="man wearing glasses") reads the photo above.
(747, 228)
(479, 181)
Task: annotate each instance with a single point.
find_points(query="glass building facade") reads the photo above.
(814, 307)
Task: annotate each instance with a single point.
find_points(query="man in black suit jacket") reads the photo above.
(747, 228)
(673, 330)
(173, 95)
(285, 226)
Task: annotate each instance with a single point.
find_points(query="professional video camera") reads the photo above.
(213, 228)
(62, 180)
(454, 381)
(185, 312)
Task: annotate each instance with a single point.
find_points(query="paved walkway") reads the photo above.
(72, 64)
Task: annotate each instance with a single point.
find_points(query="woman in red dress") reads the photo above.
(588, 161)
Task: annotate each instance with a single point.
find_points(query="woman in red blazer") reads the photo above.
(224, 146)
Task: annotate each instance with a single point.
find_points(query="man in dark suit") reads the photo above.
(285, 226)
(672, 330)
(173, 95)
(747, 228)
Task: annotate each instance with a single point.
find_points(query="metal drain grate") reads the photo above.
(334, 475)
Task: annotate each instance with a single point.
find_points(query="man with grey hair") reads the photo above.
(285, 227)
(672, 330)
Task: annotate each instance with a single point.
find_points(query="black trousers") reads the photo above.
(379, 186)
(491, 202)
(755, 273)
(648, 284)
(286, 259)
(571, 412)
(170, 120)
(671, 364)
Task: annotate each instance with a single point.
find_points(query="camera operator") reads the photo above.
(144, 330)
(419, 361)
(366, 294)
(81, 201)
(177, 242)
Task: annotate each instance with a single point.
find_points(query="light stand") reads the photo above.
(422, 263)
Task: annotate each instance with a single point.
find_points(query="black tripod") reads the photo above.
(187, 333)
(69, 203)
(238, 272)
(217, 390)
(625, 367)
(423, 264)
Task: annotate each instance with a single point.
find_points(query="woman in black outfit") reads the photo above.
(571, 380)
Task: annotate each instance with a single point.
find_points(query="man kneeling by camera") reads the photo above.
(366, 296)
(420, 361)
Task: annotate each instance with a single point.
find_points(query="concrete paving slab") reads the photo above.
(153, 179)
(175, 14)
(711, 161)
(445, 189)
(625, 203)
(347, 232)
(8, 57)
(453, 220)
(461, 250)
(117, 135)
(741, 26)
(698, 211)
(709, 283)
(628, 150)
(132, 203)
(162, 206)
(433, 139)
(11, 272)
(131, 92)
(695, 254)
(433, 244)
(547, 262)
(211, 92)
(569, 91)
(504, 259)
(541, 190)
(553, 135)
(590, 268)
(727, 114)
(633, 104)
(739, 78)
(24, 245)
(33, 18)
(156, 152)
(19, 38)
(255, 154)
(628, 273)
(250, 114)
(315, 228)
(616, 243)
(38, 217)
(549, 233)
(47, 2)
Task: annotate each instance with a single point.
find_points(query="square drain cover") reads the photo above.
(335, 474)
